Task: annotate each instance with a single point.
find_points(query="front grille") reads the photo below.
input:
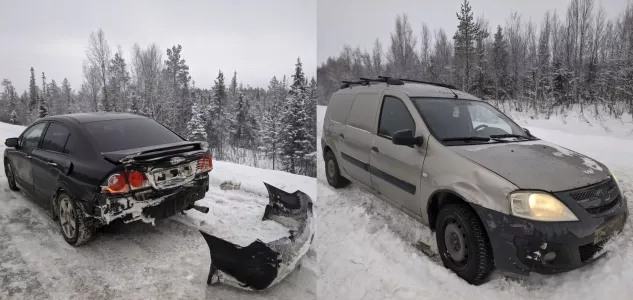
(598, 198)
(603, 188)
(600, 209)
(588, 251)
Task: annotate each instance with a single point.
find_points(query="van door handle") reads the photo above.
(28, 156)
(50, 163)
(375, 149)
(341, 135)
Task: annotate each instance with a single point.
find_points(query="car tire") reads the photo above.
(69, 213)
(9, 172)
(468, 252)
(333, 173)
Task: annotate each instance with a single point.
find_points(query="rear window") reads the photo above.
(115, 135)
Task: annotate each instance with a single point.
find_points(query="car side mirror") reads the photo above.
(406, 138)
(11, 142)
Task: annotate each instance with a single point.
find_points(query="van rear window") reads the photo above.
(115, 135)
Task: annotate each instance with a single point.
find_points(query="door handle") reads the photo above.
(28, 156)
(375, 149)
(50, 163)
(341, 135)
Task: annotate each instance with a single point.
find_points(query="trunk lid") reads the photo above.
(179, 152)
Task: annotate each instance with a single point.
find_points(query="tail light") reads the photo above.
(137, 180)
(205, 164)
(122, 182)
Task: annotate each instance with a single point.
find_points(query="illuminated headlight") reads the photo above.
(540, 206)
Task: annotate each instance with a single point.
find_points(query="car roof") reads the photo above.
(92, 117)
(411, 89)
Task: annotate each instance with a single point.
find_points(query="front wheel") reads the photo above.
(76, 227)
(463, 244)
(333, 173)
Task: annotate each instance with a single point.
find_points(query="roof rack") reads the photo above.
(448, 86)
(368, 81)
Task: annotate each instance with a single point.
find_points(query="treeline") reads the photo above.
(271, 128)
(580, 57)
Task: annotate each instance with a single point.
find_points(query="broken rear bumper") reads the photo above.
(522, 246)
(260, 265)
(150, 205)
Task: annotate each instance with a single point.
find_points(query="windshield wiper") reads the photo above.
(508, 135)
(467, 139)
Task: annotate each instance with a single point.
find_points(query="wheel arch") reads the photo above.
(440, 198)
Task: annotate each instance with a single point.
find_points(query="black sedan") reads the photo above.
(91, 169)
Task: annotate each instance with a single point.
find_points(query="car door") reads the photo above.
(22, 158)
(49, 162)
(357, 136)
(396, 170)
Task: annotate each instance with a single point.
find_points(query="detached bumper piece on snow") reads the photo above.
(260, 265)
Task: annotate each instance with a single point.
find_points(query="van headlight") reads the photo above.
(539, 206)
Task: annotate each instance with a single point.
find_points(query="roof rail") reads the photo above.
(448, 86)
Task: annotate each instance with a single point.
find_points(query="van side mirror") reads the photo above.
(406, 138)
(11, 142)
(527, 131)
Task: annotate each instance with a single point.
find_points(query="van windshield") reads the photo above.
(459, 121)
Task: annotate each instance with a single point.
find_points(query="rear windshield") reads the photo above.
(115, 135)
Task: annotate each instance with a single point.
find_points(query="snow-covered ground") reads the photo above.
(369, 250)
(141, 261)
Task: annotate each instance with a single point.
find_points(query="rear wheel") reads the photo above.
(332, 172)
(10, 175)
(76, 227)
(463, 244)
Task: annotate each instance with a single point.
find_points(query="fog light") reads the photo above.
(549, 256)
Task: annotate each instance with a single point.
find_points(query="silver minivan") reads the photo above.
(495, 195)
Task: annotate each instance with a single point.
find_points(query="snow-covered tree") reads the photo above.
(195, 127)
(294, 117)
(14, 117)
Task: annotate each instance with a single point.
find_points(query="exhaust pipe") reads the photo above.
(202, 209)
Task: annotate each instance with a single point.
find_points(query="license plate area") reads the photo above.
(609, 229)
(173, 176)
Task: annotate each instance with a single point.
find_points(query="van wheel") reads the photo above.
(463, 244)
(76, 227)
(332, 172)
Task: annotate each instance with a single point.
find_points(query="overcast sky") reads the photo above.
(255, 38)
(360, 22)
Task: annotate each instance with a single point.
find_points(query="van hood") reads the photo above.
(538, 165)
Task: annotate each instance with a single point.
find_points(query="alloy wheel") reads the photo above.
(67, 217)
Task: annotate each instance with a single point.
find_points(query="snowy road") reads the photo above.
(138, 261)
(368, 249)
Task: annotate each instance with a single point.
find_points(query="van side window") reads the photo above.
(363, 112)
(394, 116)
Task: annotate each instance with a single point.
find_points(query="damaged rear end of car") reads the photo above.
(153, 183)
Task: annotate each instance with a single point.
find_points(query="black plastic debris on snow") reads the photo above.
(260, 265)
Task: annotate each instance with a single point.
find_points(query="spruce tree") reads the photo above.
(33, 95)
(500, 64)
(216, 128)
(195, 126)
(467, 32)
(294, 116)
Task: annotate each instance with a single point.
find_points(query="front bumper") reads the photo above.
(150, 205)
(260, 265)
(520, 245)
